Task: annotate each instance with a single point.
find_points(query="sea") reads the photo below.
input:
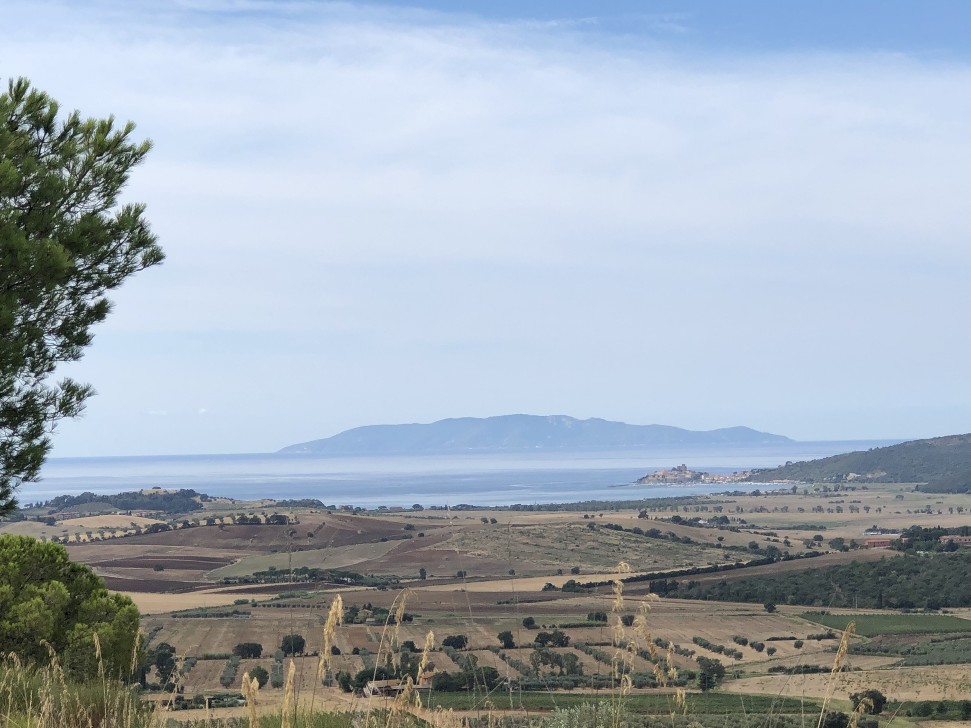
(494, 479)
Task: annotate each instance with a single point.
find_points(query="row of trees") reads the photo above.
(907, 582)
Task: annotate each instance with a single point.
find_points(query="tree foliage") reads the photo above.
(47, 598)
(65, 241)
(261, 675)
(162, 658)
(292, 644)
(905, 582)
(873, 701)
(456, 641)
(248, 650)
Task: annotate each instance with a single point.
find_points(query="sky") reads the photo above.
(696, 213)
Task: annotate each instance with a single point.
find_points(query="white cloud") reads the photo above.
(371, 189)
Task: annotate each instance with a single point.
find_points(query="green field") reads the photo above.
(711, 703)
(871, 625)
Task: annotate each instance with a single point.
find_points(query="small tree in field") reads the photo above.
(248, 650)
(506, 640)
(261, 675)
(458, 641)
(872, 700)
(292, 644)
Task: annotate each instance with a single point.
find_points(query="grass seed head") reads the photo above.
(334, 618)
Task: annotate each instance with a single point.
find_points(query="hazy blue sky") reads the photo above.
(692, 213)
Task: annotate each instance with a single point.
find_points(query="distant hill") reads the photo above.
(522, 433)
(944, 463)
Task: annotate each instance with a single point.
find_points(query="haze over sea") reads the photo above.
(431, 480)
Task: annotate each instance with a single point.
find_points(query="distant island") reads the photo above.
(523, 433)
(941, 464)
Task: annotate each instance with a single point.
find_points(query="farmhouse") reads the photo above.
(880, 542)
(959, 540)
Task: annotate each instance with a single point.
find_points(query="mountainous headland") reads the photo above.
(942, 463)
(523, 433)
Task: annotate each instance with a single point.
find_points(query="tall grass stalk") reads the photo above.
(841, 651)
(33, 696)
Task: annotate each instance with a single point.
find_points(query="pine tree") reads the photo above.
(65, 241)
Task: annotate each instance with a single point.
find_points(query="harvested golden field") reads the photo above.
(149, 603)
(106, 521)
(945, 682)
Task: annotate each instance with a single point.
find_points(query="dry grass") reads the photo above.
(149, 604)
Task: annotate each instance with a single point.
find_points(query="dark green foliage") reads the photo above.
(162, 658)
(261, 675)
(456, 641)
(292, 644)
(556, 638)
(312, 574)
(901, 583)
(875, 700)
(835, 719)
(64, 244)
(506, 639)
(720, 649)
(180, 501)
(871, 625)
(479, 677)
(344, 681)
(248, 650)
(710, 672)
(45, 597)
(529, 622)
(942, 462)
(919, 539)
(299, 503)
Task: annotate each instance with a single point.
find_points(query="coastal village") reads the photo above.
(681, 474)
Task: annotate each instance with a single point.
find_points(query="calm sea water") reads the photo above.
(500, 479)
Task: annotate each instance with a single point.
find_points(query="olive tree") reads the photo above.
(65, 242)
